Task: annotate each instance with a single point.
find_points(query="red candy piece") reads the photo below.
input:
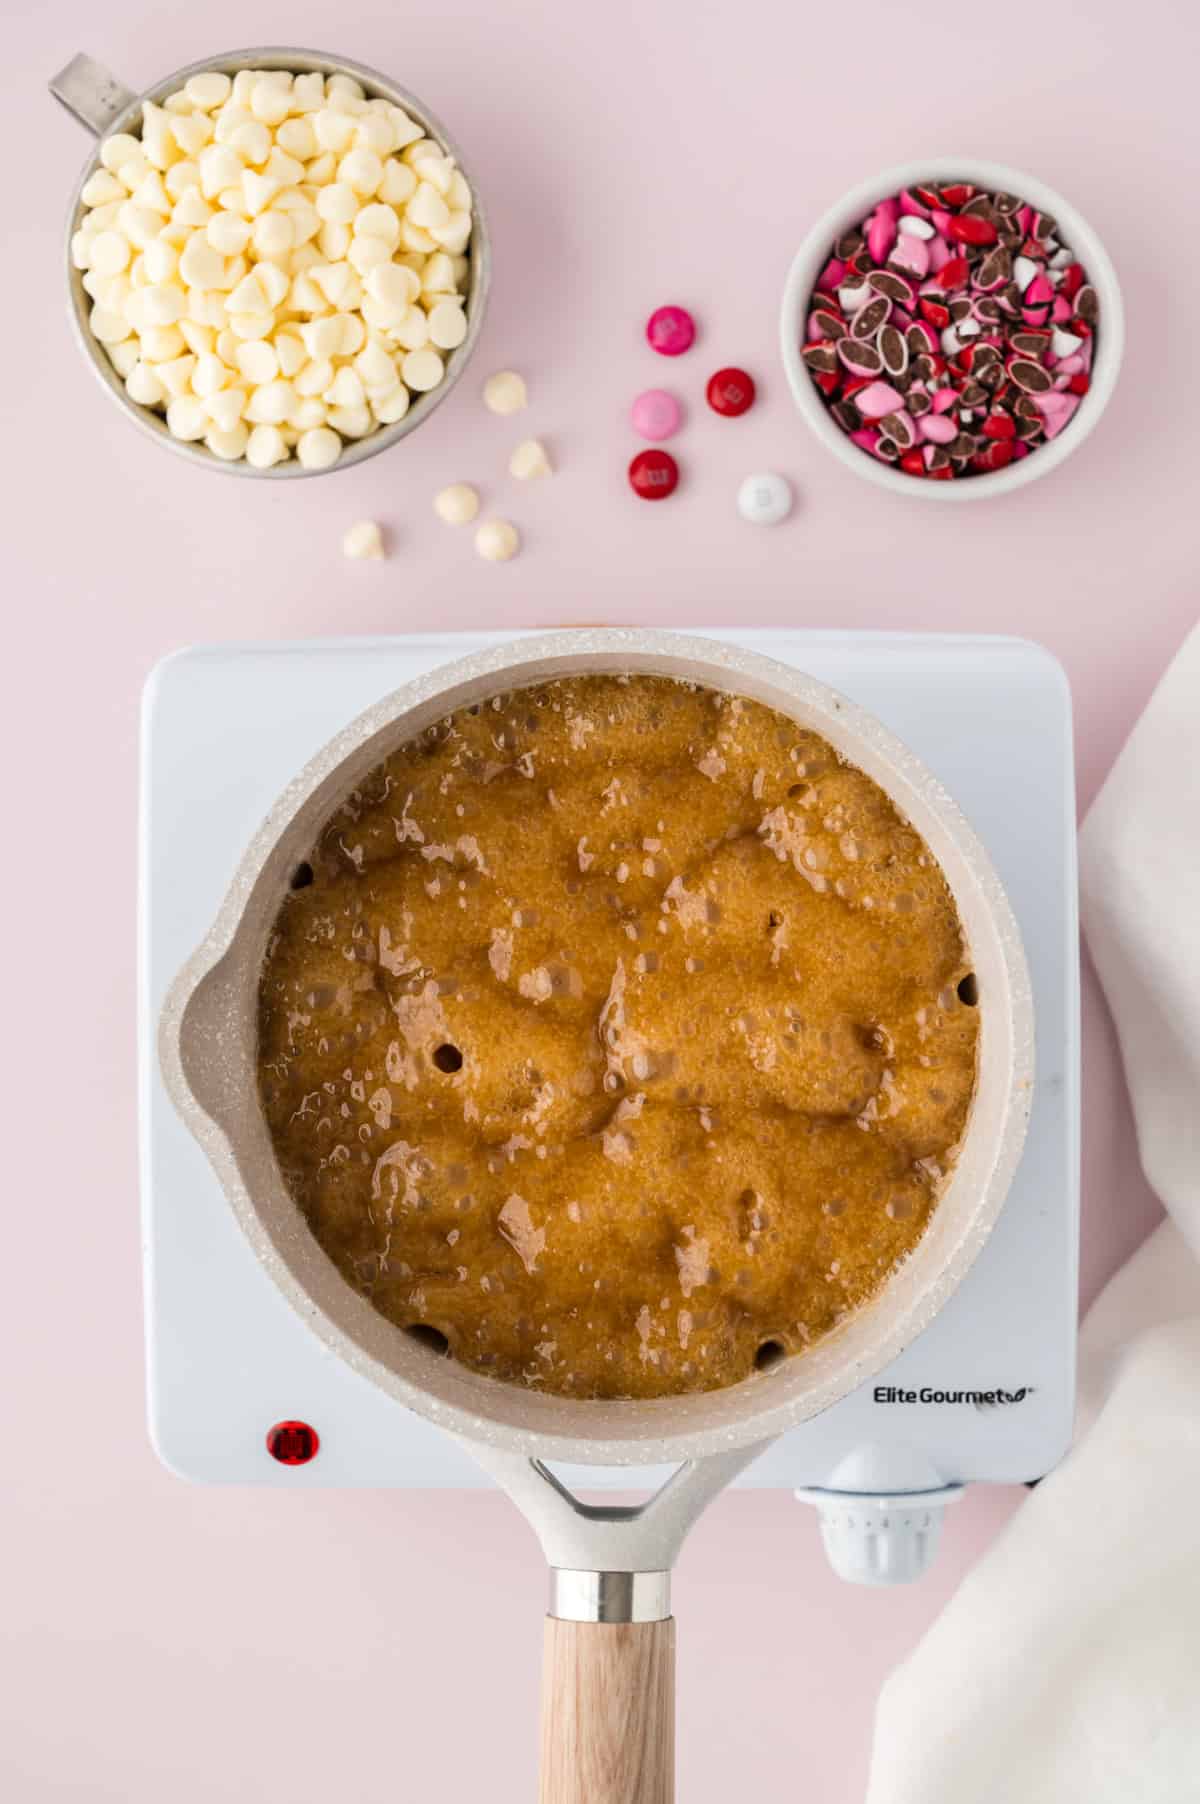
(999, 426)
(1073, 280)
(935, 313)
(1079, 385)
(730, 392)
(998, 454)
(967, 228)
(913, 463)
(953, 274)
(827, 380)
(957, 194)
(653, 475)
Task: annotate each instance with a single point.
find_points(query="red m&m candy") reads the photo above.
(653, 475)
(730, 392)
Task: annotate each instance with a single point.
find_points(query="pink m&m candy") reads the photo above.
(670, 330)
(655, 414)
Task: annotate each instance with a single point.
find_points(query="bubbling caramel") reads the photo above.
(612, 1037)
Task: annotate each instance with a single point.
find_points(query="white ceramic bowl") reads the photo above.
(853, 207)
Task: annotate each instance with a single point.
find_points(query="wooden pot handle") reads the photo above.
(608, 1713)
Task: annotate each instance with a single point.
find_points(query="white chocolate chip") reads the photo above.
(208, 90)
(124, 356)
(265, 447)
(143, 385)
(447, 325)
(337, 203)
(363, 540)
(378, 221)
(118, 149)
(456, 505)
(109, 253)
(392, 407)
(109, 328)
(505, 392)
(398, 184)
(529, 460)
(427, 208)
(497, 541)
(351, 422)
(226, 408)
(228, 446)
(101, 188)
(186, 417)
(422, 370)
(319, 448)
(361, 170)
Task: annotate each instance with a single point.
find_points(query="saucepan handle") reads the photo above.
(608, 1713)
(89, 92)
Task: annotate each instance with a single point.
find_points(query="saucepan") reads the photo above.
(609, 1650)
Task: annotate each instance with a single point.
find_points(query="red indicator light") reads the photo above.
(293, 1443)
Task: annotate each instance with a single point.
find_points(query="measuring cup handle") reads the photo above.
(608, 1713)
(88, 91)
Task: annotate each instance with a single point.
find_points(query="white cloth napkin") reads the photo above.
(1066, 1669)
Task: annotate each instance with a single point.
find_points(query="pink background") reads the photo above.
(158, 1640)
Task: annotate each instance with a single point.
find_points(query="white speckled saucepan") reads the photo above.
(610, 1614)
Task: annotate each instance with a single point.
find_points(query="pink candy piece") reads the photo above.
(1025, 219)
(1073, 365)
(877, 399)
(1056, 410)
(831, 276)
(881, 232)
(1060, 313)
(941, 221)
(911, 254)
(1039, 291)
(943, 399)
(940, 252)
(938, 428)
(910, 205)
(670, 331)
(866, 438)
(655, 414)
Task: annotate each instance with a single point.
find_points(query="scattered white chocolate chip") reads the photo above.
(363, 540)
(456, 505)
(277, 263)
(497, 541)
(505, 392)
(530, 459)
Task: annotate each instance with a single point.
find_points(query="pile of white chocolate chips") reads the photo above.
(277, 263)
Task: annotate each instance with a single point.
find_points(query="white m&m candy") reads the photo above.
(765, 499)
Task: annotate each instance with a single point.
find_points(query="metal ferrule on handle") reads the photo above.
(609, 1596)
